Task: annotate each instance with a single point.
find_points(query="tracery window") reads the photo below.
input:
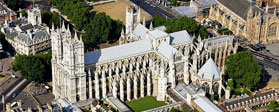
(205, 87)
(272, 30)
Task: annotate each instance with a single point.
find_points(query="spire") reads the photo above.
(250, 12)
(199, 38)
(63, 26)
(138, 17)
(68, 28)
(151, 26)
(143, 21)
(266, 8)
(122, 32)
(52, 27)
(76, 37)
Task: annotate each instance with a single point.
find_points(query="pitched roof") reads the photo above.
(117, 52)
(180, 37)
(209, 70)
(167, 50)
(158, 33)
(240, 7)
(140, 31)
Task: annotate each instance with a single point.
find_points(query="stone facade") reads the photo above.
(28, 36)
(146, 63)
(248, 20)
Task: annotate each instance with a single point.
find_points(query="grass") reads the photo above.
(145, 103)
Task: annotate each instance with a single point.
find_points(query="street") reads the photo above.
(152, 9)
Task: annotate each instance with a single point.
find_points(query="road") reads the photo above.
(265, 60)
(15, 89)
(152, 10)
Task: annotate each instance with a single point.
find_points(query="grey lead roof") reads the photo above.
(240, 7)
(209, 70)
(180, 37)
(192, 90)
(167, 50)
(206, 105)
(140, 31)
(185, 11)
(117, 52)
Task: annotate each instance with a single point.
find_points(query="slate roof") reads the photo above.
(209, 70)
(240, 7)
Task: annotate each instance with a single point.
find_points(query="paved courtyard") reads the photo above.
(273, 48)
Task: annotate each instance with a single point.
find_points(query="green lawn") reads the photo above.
(145, 103)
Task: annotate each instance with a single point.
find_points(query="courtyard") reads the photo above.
(145, 103)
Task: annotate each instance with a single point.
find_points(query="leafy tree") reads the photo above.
(23, 13)
(273, 105)
(34, 68)
(244, 70)
(178, 24)
(174, 3)
(13, 4)
(231, 84)
(48, 18)
(101, 29)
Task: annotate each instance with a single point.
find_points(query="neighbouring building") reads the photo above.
(247, 19)
(28, 35)
(259, 98)
(147, 62)
(6, 14)
(197, 8)
(54, 106)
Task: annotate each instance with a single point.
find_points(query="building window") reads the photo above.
(272, 30)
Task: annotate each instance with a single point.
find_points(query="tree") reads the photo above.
(101, 29)
(23, 13)
(34, 68)
(244, 70)
(272, 105)
(178, 24)
(48, 18)
(13, 4)
(174, 3)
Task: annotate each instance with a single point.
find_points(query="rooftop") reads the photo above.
(240, 7)
(158, 33)
(117, 52)
(209, 70)
(185, 11)
(192, 90)
(206, 105)
(121, 106)
(180, 37)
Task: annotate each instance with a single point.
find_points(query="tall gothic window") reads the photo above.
(205, 87)
(272, 30)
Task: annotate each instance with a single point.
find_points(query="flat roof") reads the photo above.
(122, 107)
(206, 105)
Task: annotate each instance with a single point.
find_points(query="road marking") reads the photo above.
(24, 80)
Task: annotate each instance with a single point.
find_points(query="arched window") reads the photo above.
(205, 87)
(215, 87)
(272, 30)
